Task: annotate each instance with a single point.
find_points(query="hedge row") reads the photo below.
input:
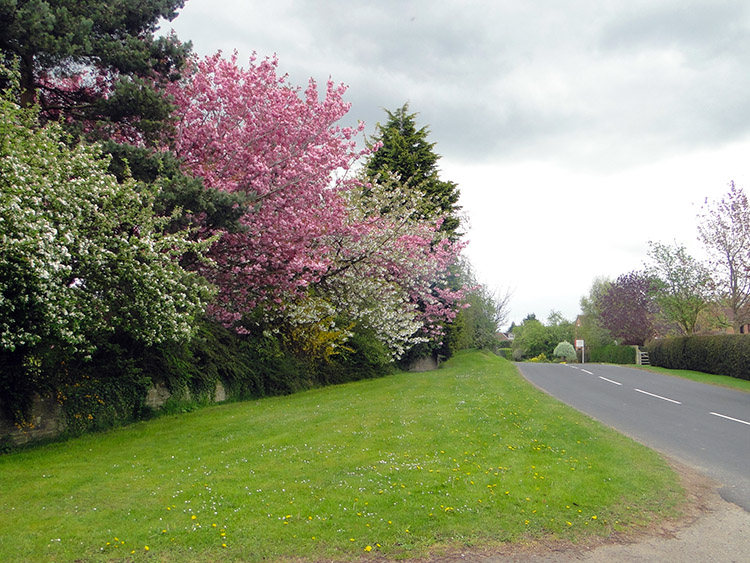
(723, 354)
(612, 355)
(109, 388)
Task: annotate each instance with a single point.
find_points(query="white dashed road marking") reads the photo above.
(659, 397)
(730, 418)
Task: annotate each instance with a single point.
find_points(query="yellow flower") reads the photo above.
(145, 547)
(368, 548)
(193, 517)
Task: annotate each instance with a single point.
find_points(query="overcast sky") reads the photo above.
(576, 131)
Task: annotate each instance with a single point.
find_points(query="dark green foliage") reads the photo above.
(721, 354)
(364, 357)
(109, 388)
(612, 354)
(533, 338)
(95, 392)
(217, 210)
(406, 153)
(62, 37)
(506, 353)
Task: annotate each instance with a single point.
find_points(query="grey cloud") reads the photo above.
(589, 83)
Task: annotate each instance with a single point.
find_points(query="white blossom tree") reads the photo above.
(80, 253)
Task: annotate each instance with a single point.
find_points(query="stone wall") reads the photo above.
(46, 422)
(47, 419)
(427, 363)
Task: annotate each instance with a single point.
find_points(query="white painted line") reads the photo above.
(587, 371)
(730, 418)
(610, 380)
(659, 397)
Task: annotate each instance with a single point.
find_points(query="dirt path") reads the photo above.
(712, 530)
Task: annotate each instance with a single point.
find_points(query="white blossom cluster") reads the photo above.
(375, 267)
(81, 253)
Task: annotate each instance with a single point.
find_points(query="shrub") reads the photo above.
(540, 358)
(613, 354)
(565, 351)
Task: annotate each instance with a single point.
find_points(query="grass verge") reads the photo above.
(701, 377)
(396, 467)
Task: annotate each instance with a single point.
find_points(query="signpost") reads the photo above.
(580, 346)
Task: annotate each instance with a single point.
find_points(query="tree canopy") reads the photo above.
(724, 228)
(627, 309)
(683, 286)
(95, 60)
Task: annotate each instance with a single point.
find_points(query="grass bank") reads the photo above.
(466, 455)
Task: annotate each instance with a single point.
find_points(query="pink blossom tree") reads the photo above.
(247, 130)
(318, 247)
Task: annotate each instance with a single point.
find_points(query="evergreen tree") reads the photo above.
(94, 61)
(97, 65)
(407, 154)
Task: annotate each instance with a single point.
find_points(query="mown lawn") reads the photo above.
(701, 377)
(397, 467)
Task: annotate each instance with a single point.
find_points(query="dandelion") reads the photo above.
(368, 548)
(145, 547)
(193, 517)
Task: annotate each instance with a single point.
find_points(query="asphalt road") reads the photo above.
(705, 426)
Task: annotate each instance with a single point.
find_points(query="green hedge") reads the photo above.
(109, 387)
(612, 354)
(721, 354)
(506, 353)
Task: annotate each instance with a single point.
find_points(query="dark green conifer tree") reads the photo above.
(112, 38)
(406, 153)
